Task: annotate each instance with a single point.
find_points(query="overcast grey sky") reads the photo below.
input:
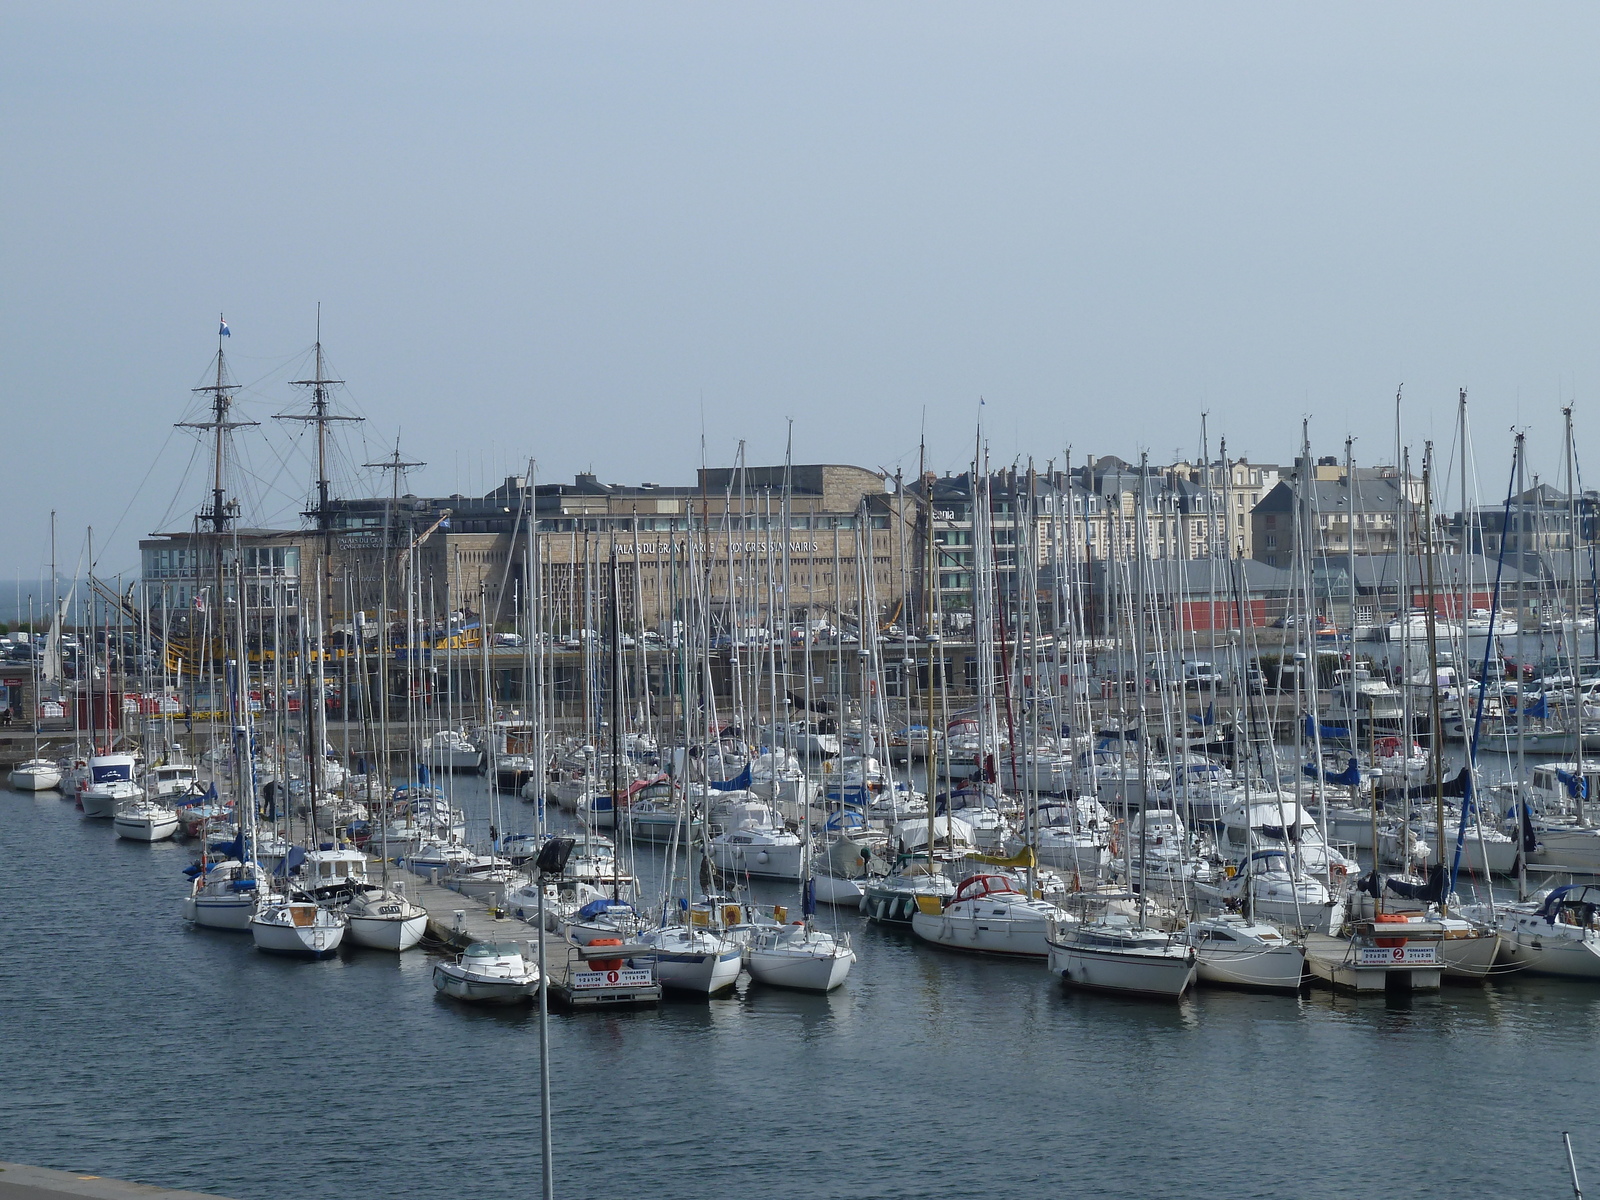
(578, 232)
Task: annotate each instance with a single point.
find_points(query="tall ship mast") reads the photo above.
(219, 516)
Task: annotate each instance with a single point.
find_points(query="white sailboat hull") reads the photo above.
(315, 940)
(1569, 847)
(35, 777)
(702, 973)
(1166, 976)
(220, 912)
(760, 862)
(835, 889)
(1470, 956)
(1570, 957)
(1275, 968)
(988, 935)
(145, 828)
(388, 933)
(807, 972)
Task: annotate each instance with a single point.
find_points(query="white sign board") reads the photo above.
(597, 979)
(1412, 954)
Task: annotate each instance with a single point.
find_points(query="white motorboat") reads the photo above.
(109, 785)
(1116, 955)
(437, 854)
(169, 779)
(333, 874)
(988, 914)
(144, 820)
(689, 959)
(488, 973)
(35, 775)
(1556, 936)
(450, 750)
(385, 919)
(224, 897)
(1236, 952)
(486, 877)
(798, 956)
(290, 926)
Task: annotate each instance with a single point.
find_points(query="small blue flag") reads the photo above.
(223, 331)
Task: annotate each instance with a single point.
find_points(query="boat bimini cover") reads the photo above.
(596, 908)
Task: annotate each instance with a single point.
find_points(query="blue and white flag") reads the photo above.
(222, 331)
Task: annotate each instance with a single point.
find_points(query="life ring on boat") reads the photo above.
(1339, 869)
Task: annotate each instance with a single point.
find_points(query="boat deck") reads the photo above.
(459, 920)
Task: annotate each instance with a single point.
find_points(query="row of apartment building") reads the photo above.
(815, 539)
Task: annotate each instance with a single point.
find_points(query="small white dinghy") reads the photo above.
(296, 927)
(488, 973)
(145, 821)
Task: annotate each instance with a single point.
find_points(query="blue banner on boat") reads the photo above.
(1210, 717)
(738, 783)
(1349, 777)
(1334, 732)
(1539, 709)
(1577, 788)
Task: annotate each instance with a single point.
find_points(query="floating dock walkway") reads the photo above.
(460, 920)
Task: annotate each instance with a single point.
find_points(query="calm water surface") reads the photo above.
(137, 1047)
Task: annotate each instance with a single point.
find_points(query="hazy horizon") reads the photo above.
(623, 238)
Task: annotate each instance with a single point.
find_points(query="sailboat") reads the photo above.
(989, 913)
(145, 820)
(384, 918)
(800, 955)
(1116, 953)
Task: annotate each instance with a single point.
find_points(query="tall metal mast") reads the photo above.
(222, 512)
(395, 465)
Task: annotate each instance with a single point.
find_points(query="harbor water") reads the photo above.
(135, 1046)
